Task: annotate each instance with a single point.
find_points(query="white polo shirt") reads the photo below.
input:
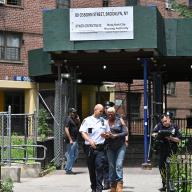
(94, 127)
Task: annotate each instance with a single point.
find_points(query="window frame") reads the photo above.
(11, 2)
(171, 88)
(190, 3)
(6, 51)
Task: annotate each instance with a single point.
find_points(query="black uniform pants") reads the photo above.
(162, 165)
(95, 163)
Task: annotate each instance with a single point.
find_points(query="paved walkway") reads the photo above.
(135, 180)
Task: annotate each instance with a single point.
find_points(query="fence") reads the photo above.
(22, 146)
(179, 173)
(137, 125)
(179, 166)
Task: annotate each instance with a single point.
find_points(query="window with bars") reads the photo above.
(171, 88)
(13, 2)
(134, 104)
(10, 46)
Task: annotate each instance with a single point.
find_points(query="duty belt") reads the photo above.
(100, 147)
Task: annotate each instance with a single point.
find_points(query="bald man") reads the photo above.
(91, 129)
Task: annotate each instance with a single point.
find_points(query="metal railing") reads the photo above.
(179, 173)
(12, 143)
(137, 125)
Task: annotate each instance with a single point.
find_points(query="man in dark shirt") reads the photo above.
(168, 136)
(72, 124)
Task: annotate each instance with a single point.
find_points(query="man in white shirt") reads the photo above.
(91, 129)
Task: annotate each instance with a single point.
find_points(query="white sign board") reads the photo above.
(104, 23)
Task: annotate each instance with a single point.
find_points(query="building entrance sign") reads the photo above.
(105, 23)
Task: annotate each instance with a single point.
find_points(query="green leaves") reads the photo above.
(183, 10)
(7, 185)
(43, 127)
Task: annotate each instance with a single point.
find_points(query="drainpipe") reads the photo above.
(145, 63)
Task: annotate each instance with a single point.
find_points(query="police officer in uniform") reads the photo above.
(91, 129)
(168, 136)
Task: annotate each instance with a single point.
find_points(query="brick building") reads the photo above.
(20, 31)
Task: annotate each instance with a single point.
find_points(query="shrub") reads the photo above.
(7, 185)
(43, 127)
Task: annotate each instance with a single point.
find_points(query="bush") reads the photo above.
(43, 127)
(7, 185)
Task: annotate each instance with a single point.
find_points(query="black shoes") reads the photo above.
(163, 189)
(70, 173)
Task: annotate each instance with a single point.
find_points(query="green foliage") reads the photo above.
(183, 10)
(7, 185)
(185, 142)
(43, 128)
(180, 172)
(18, 152)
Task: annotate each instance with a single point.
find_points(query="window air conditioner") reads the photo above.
(168, 5)
(168, 92)
(2, 2)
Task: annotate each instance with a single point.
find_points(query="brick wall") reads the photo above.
(182, 101)
(26, 20)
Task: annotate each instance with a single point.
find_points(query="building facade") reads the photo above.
(21, 30)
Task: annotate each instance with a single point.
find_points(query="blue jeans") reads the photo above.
(71, 154)
(116, 158)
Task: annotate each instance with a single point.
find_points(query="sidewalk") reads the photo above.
(135, 180)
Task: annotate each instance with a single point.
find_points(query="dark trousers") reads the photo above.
(95, 163)
(162, 165)
(106, 170)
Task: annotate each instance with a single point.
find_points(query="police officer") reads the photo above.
(168, 136)
(91, 129)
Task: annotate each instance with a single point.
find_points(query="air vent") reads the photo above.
(2, 2)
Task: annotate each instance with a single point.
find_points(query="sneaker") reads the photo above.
(70, 173)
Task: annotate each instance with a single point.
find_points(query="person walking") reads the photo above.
(116, 149)
(106, 182)
(168, 137)
(91, 129)
(72, 124)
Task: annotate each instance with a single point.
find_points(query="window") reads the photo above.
(190, 89)
(134, 104)
(190, 3)
(132, 2)
(63, 3)
(173, 112)
(13, 2)
(10, 46)
(105, 3)
(171, 88)
(16, 100)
